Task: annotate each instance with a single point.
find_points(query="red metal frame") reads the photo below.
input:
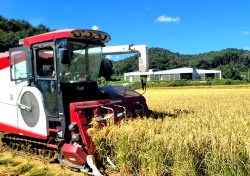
(4, 63)
(77, 114)
(78, 117)
(47, 36)
(74, 154)
(15, 130)
(68, 33)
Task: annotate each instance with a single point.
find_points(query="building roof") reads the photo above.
(176, 70)
(173, 71)
(208, 71)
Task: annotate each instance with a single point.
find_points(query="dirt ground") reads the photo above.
(15, 164)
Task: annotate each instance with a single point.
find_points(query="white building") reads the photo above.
(173, 74)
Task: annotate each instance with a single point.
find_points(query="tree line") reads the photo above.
(231, 61)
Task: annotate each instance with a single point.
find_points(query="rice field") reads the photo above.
(192, 131)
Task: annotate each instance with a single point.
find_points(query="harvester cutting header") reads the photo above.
(49, 95)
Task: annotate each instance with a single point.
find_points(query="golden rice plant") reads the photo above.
(191, 132)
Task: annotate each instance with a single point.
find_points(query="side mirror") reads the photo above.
(64, 55)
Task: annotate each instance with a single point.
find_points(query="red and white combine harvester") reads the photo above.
(49, 95)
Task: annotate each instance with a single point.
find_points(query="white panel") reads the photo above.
(9, 92)
(8, 114)
(42, 125)
(143, 62)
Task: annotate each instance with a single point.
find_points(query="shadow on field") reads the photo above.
(173, 114)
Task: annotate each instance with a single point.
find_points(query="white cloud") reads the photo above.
(244, 32)
(94, 27)
(167, 19)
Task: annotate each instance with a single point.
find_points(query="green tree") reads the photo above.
(230, 72)
(106, 69)
(129, 64)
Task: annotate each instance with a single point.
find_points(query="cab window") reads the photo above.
(45, 62)
(20, 63)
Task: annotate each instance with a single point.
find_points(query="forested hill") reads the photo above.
(230, 61)
(12, 30)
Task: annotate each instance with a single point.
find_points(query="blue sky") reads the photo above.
(183, 26)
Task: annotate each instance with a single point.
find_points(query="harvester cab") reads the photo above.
(49, 95)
